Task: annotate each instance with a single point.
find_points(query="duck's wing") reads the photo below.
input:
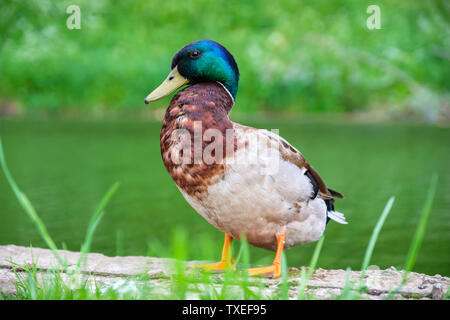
(292, 155)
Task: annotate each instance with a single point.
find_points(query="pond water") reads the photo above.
(65, 167)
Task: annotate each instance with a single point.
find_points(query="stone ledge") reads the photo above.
(115, 271)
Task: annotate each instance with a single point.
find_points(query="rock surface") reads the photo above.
(120, 272)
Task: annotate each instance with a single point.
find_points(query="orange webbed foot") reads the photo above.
(225, 263)
(274, 270)
(218, 266)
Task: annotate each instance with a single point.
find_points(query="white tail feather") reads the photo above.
(337, 216)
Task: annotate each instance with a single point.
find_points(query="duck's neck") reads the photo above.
(208, 97)
(229, 93)
(204, 104)
(231, 84)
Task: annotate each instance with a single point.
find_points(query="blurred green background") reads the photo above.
(368, 108)
(292, 55)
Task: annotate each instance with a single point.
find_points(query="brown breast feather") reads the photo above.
(209, 103)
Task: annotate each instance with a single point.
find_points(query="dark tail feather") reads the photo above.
(332, 214)
(330, 207)
(336, 194)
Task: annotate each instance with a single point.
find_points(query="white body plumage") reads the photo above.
(261, 194)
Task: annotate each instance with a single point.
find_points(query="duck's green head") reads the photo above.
(199, 61)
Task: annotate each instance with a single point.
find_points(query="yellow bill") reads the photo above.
(173, 81)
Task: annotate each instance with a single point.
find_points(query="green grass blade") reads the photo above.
(29, 209)
(284, 278)
(312, 266)
(374, 237)
(347, 292)
(95, 220)
(244, 256)
(420, 231)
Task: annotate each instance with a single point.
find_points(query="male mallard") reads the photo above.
(254, 183)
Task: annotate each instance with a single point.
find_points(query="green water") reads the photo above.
(65, 167)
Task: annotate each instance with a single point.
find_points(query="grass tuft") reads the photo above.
(421, 227)
(305, 276)
(374, 237)
(30, 288)
(420, 231)
(94, 221)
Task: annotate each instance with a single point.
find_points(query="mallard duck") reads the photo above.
(246, 182)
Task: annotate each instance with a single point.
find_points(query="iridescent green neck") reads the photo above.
(214, 64)
(231, 85)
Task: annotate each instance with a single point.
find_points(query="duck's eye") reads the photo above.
(195, 54)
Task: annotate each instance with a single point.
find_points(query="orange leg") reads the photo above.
(225, 262)
(274, 270)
